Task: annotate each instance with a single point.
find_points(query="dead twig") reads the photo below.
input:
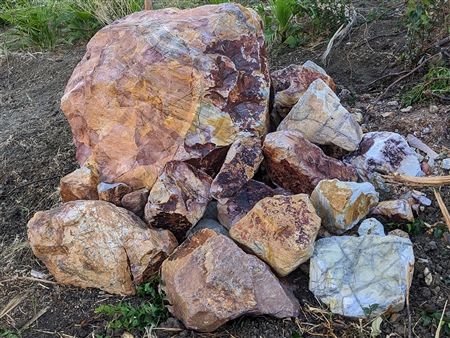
(441, 321)
(13, 303)
(13, 279)
(418, 181)
(34, 318)
(443, 208)
(402, 78)
(387, 75)
(4, 195)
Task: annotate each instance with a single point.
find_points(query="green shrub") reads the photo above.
(150, 312)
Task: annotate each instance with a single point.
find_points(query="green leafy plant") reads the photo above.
(435, 82)
(434, 318)
(80, 25)
(150, 312)
(427, 21)
(295, 334)
(414, 228)
(9, 333)
(369, 310)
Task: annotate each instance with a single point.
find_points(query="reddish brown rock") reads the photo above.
(209, 280)
(96, 244)
(291, 83)
(244, 200)
(178, 199)
(280, 230)
(167, 85)
(242, 161)
(135, 201)
(113, 193)
(79, 185)
(296, 164)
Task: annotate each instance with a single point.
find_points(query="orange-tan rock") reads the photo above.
(79, 185)
(178, 199)
(209, 280)
(242, 161)
(296, 164)
(96, 244)
(167, 85)
(113, 193)
(135, 201)
(280, 230)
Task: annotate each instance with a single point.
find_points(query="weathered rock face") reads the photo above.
(79, 185)
(291, 83)
(296, 164)
(384, 151)
(321, 118)
(178, 199)
(167, 85)
(244, 200)
(280, 230)
(113, 193)
(96, 244)
(352, 273)
(210, 280)
(135, 201)
(242, 161)
(394, 210)
(341, 205)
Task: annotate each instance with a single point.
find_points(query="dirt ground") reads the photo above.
(36, 150)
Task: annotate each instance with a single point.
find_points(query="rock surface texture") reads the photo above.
(244, 200)
(384, 151)
(296, 164)
(96, 244)
(352, 273)
(291, 83)
(394, 211)
(178, 199)
(210, 280)
(321, 118)
(341, 205)
(280, 230)
(167, 85)
(241, 163)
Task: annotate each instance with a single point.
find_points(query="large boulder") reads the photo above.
(167, 85)
(209, 280)
(96, 244)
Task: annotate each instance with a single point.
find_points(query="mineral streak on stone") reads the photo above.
(209, 280)
(167, 85)
(352, 273)
(96, 244)
(394, 211)
(321, 118)
(280, 230)
(341, 205)
(178, 199)
(79, 185)
(113, 193)
(384, 152)
(296, 164)
(242, 161)
(244, 200)
(135, 201)
(291, 83)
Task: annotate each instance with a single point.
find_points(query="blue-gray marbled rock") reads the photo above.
(341, 205)
(352, 273)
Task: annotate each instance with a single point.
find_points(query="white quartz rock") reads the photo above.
(371, 226)
(351, 274)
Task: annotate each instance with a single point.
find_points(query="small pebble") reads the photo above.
(407, 109)
(445, 164)
(392, 103)
(433, 109)
(433, 245)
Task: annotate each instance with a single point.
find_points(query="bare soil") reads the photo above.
(36, 150)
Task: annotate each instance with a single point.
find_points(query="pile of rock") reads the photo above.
(171, 118)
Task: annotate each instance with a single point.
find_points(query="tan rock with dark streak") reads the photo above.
(242, 161)
(394, 211)
(291, 83)
(280, 230)
(79, 185)
(209, 280)
(113, 193)
(96, 244)
(178, 199)
(244, 200)
(167, 85)
(296, 164)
